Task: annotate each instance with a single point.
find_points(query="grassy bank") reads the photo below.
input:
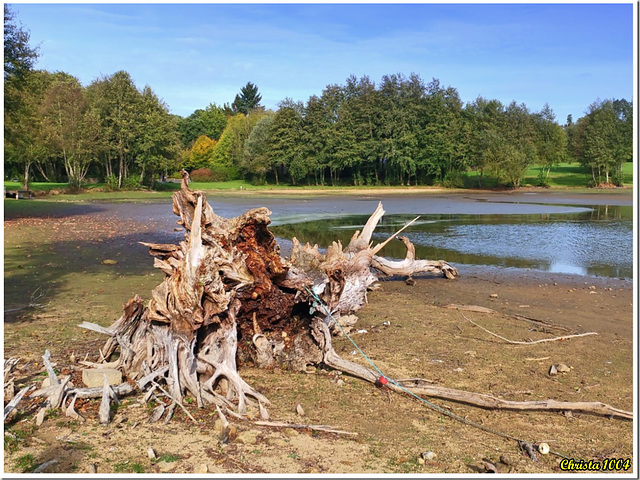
(565, 176)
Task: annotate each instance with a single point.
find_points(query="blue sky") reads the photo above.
(567, 55)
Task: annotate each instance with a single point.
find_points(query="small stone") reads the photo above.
(420, 460)
(217, 426)
(108, 261)
(340, 383)
(94, 377)
(494, 295)
(543, 448)
(72, 358)
(300, 410)
(592, 287)
(553, 370)
(151, 453)
(248, 437)
(428, 456)
(92, 468)
(310, 369)
(284, 334)
(506, 459)
(291, 432)
(202, 468)
(40, 416)
(459, 369)
(562, 368)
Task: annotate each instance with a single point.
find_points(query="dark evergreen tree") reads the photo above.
(248, 99)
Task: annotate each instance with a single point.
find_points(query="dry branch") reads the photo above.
(14, 402)
(319, 428)
(479, 309)
(530, 342)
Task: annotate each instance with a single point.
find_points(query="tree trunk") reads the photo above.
(228, 294)
(27, 167)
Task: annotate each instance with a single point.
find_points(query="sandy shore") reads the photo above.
(421, 338)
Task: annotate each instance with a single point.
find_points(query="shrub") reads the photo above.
(454, 180)
(542, 179)
(214, 174)
(111, 183)
(202, 175)
(131, 183)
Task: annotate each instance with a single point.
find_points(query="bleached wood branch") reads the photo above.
(319, 428)
(530, 342)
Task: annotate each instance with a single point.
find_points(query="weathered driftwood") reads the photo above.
(530, 342)
(15, 400)
(227, 285)
(228, 294)
(318, 428)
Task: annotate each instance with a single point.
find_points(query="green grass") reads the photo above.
(36, 186)
(26, 463)
(168, 457)
(563, 175)
(128, 467)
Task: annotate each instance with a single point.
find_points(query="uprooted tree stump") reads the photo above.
(228, 294)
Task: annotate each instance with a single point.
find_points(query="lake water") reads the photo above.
(595, 241)
(577, 234)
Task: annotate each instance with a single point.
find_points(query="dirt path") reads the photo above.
(63, 256)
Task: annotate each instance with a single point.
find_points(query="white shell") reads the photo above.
(543, 448)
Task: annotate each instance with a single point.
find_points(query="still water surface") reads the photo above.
(546, 233)
(593, 240)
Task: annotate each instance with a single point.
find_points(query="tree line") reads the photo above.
(401, 131)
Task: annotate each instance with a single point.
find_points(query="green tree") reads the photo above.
(210, 122)
(70, 127)
(551, 142)
(117, 102)
(402, 99)
(19, 96)
(444, 136)
(247, 100)
(19, 56)
(520, 150)
(157, 144)
(256, 162)
(285, 149)
(228, 155)
(23, 145)
(486, 120)
(604, 140)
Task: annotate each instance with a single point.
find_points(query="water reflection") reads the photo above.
(593, 242)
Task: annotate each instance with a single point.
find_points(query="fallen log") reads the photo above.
(228, 294)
